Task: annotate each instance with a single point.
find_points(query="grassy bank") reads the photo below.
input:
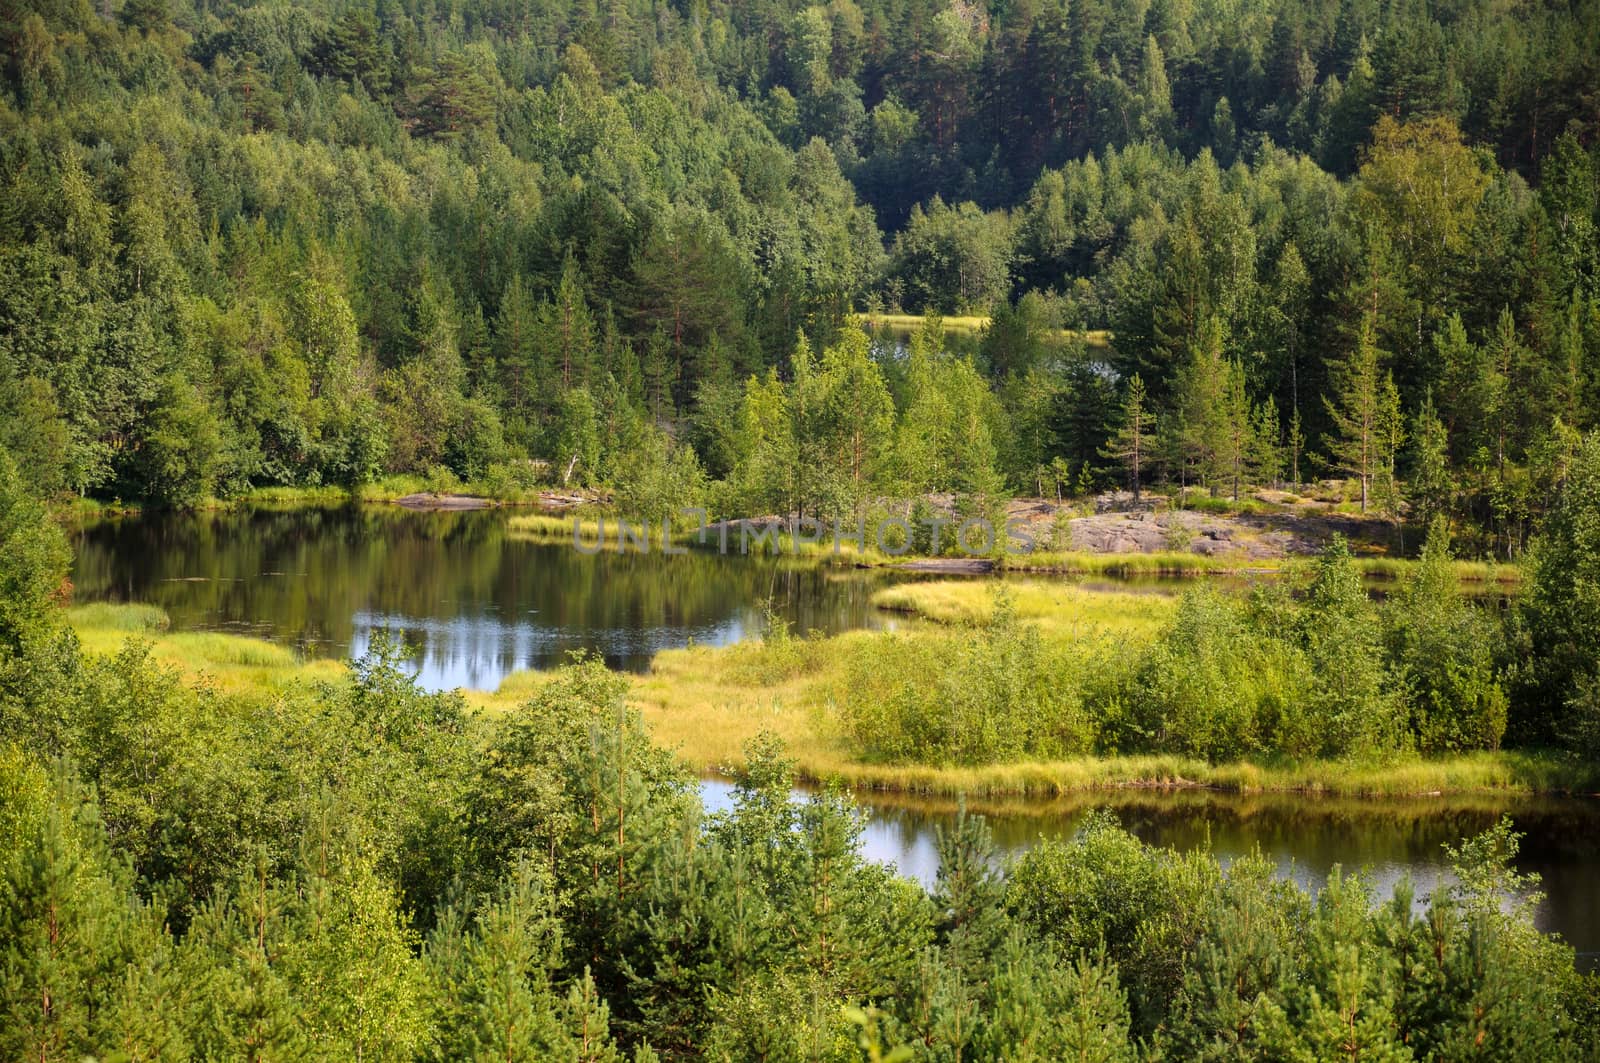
(231, 664)
(1176, 563)
(390, 488)
(1483, 573)
(1058, 608)
(592, 532)
(706, 703)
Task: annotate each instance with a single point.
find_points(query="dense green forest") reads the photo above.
(361, 870)
(642, 247)
(311, 244)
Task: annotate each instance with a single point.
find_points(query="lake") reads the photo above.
(475, 603)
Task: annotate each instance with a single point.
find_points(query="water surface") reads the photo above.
(473, 601)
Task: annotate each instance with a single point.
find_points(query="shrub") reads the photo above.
(992, 692)
(1215, 685)
(1443, 650)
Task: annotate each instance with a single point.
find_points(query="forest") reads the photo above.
(629, 246)
(789, 258)
(362, 870)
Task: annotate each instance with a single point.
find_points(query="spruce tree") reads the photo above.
(1135, 438)
(1357, 409)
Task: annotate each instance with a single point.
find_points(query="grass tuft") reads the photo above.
(117, 616)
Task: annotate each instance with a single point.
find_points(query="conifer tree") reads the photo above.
(1358, 410)
(1265, 457)
(492, 970)
(969, 896)
(564, 332)
(1430, 483)
(515, 347)
(1135, 438)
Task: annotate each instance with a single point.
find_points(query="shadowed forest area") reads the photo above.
(258, 245)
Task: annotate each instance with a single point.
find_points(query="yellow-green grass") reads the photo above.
(1482, 772)
(110, 616)
(706, 703)
(1059, 608)
(971, 324)
(1399, 568)
(1159, 563)
(235, 664)
(550, 528)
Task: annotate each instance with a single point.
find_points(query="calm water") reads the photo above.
(472, 601)
(475, 604)
(1304, 836)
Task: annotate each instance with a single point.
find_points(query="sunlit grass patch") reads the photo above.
(235, 664)
(1400, 568)
(707, 703)
(1160, 563)
(592, 532)
(119, 616)
(1060, 607)
(971, 325)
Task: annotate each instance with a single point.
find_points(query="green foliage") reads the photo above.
(1219, 685)
(36, 649)
(1443, 649)
(1559, 692)
(990, 694)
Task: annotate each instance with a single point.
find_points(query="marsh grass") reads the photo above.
(1401, 568)
(235, 664)
(1122, 566)
(550, 528)
(707, 703)
(116, 616)
(1058, 608)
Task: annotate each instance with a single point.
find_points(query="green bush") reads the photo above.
(990, 693)
(1216, 685)
(1443, 649)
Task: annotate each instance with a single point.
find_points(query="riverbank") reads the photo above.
(901, 326)
(604, 531)
(706, 703)
(414, 492)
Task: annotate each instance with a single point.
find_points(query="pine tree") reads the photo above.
(1135, 438)
(1212, 411)
(1239, 968)
(1390, 438)
(454, 100)
(1357, 411)
(565, 332)
(1238, 429)
(1343, 1005)
(85, 967)
(515, 347)
(1431, 484)
(969, 896)
(493, 971)
(656, 371)
(1265, 457)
